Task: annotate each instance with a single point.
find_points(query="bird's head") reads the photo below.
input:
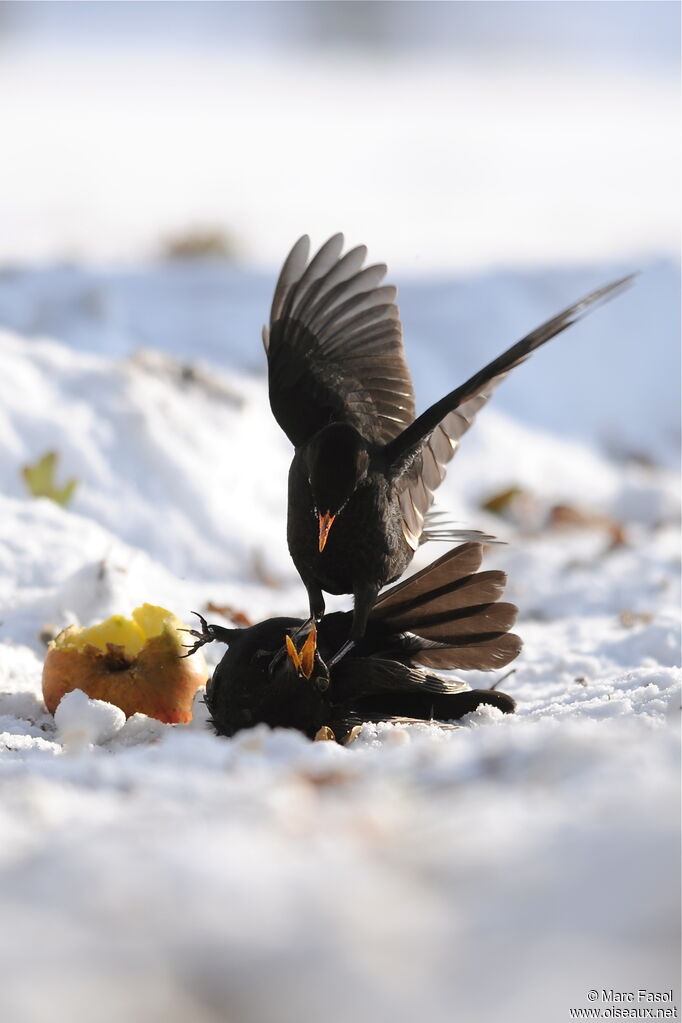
(251, 686)
(337, 460)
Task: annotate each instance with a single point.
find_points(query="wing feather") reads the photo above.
(427, 437)
(334, 346)
(429, 467)
(291, 271)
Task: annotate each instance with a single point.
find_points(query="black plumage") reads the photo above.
(448, 616)
(365, 470)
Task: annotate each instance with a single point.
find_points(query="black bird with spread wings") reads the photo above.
(365, 470)
(449, 615)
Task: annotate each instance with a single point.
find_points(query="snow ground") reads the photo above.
(496, 871)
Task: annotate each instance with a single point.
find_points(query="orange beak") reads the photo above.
(304, 662)
(325, 525)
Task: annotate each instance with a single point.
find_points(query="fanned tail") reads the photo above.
(448, 615)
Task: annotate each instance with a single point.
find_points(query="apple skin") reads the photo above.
(157, 682)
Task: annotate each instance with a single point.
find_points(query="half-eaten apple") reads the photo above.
(136, 663)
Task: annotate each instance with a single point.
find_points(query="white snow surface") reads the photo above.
(499, 870)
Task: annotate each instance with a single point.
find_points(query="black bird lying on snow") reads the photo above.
(448, 615)
(364, 470)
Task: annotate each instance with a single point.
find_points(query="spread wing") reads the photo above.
(428, 469)
(335, 347)
(421, 453)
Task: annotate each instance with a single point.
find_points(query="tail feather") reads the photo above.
(477, 653)
(479, 620)
(448, 615)
(460, 594)
(394, 607)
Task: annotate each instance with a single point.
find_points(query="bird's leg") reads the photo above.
(364, 602)
(316, 601)
(317, 607)
(348, 645)
(303, 628)
(208, 634)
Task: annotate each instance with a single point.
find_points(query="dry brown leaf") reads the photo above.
(201, 242)
(569, 516)
(231, 613)
(628, 619)
(500, 502)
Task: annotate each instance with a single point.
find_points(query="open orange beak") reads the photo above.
(325, 525)
(303, 661)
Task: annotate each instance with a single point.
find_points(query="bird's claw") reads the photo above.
(206, 635)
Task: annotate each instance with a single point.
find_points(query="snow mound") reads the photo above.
(83, 723)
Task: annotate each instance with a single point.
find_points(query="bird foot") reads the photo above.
(207, 635)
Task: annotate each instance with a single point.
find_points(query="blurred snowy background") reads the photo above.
(503, 159)
(446, 135)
